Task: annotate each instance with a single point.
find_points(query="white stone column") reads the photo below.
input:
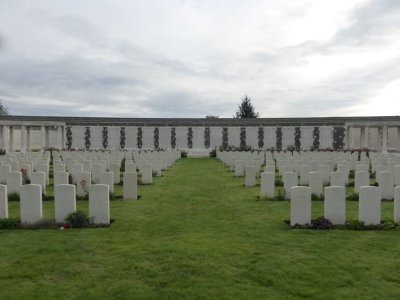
(47, 136)
(43, 136)
(28, 138)
(398, 140)
(348, 139)
(367, 137)
(362, 136)
(60, 137)
(384, 138)
(11, 139)
(23, 138)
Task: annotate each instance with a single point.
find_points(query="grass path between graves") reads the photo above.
(198, 233)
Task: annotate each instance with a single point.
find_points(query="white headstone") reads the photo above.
(396, 212)
(3, 202)
(315, 183)
(64, 201)
(99, 203)
(250, 176)
(4, 170)
(335, 204)
(59, 168)
(289, 181)
(338, 179)
(386, 184)
(83, 181)
(31, 203)
(304, 170)
(60, 178)
(39, 178)
(267, 185)
(115, 169)
(300, 205)
(14, 182)
(107, 178)
(361, 178)
(147, 174)
(130, 185)
(239, 168)
(369, 209)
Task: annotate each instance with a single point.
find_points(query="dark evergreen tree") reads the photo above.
(3, 109)
(246, 110)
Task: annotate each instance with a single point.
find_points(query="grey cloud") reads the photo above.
(371, 22)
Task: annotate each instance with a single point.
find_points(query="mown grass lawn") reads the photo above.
(198, 233)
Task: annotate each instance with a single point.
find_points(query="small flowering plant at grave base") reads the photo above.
(25, 177)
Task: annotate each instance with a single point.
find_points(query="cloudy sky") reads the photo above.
(191, 58)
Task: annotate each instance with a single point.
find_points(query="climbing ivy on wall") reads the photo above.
(224, 138)
(316, 143)
(338, 138)
(122, 138)
(242, 137)
(279, 138)
(69, 137)
(260, 137)
(105, 137)
(297, 138)
(173, 138)
(139, 137)
(207, 137)
(190, 138)
(87, 138)
(156, 138)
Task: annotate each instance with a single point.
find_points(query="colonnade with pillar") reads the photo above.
(13, 133)
(381, 141)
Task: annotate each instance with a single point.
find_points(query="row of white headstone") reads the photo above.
(31, 208)
(88, 170)
(369, 205)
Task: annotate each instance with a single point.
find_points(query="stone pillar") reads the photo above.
(398, 140)
(60, 137)
(11, 139)
(384, 139)
(43, 137)
(47, 137)
(23, 138)
(362, 137)
(28, 138)
(3, 137)
(367, 137)
(379, 143)
(348, 146)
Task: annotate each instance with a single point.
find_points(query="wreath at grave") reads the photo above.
(69, 137)
(338, 138)
(190, 138)
(316, 143)
(122, 138)
(260, 137)
(139, 137)
(297, 137)
(173, 138)
(242, 138)
(279, 138)
(156, 138)
(87, 138)
(224, 138)
(207, 137)
(105, 137)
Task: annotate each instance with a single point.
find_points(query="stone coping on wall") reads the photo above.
(109, 121)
